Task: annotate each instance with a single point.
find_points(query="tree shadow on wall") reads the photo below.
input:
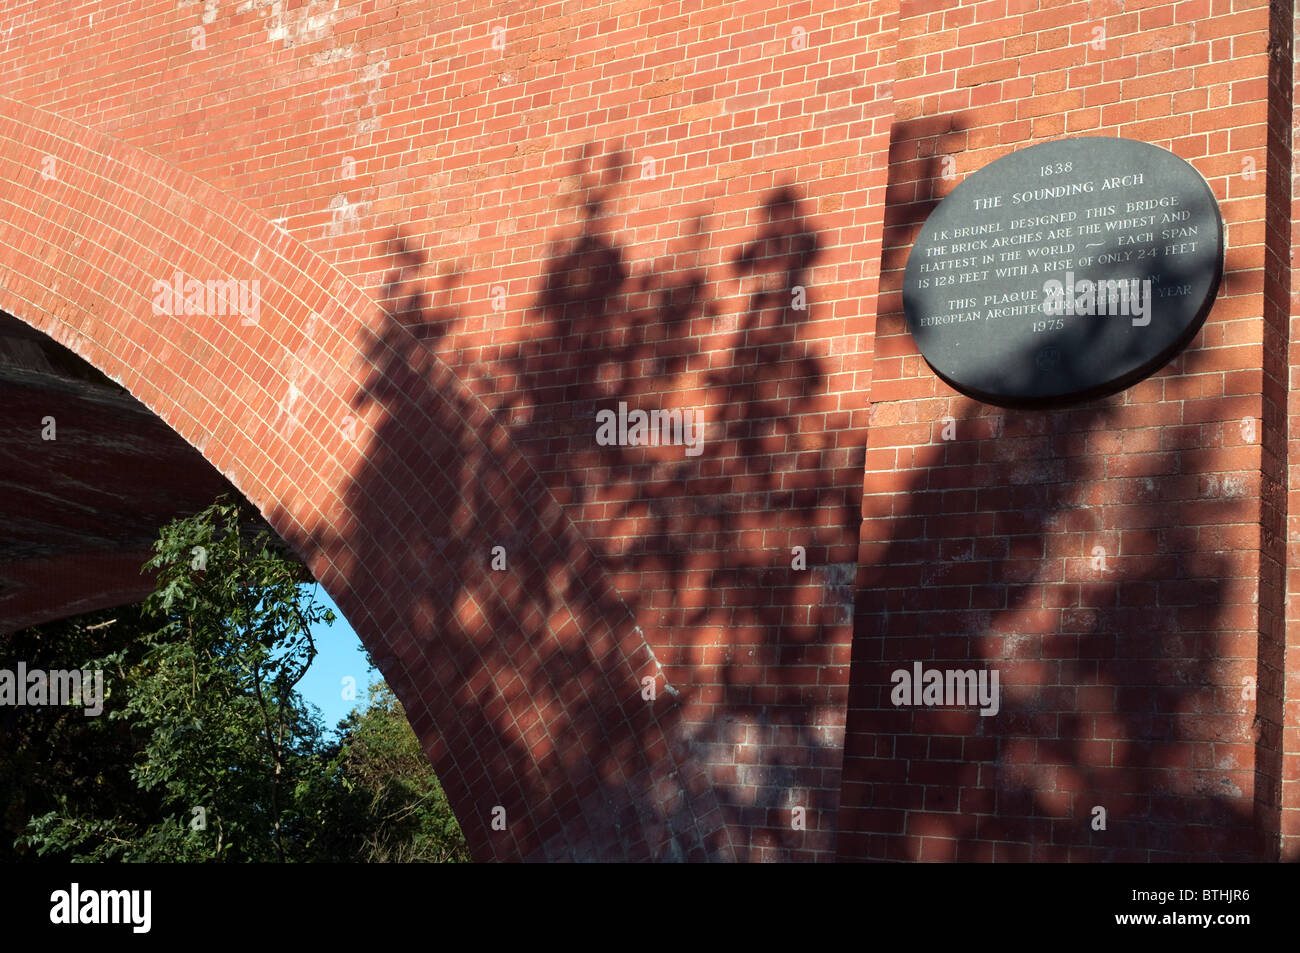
(709, 550)
(692, 551)
(1119, 678)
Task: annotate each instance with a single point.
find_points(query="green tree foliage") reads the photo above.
(58, 755)
(383, 761)
(206, 751)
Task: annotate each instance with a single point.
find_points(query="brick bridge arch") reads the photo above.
(524, 685)
(649, 188)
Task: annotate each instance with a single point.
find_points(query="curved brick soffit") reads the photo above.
(387, 476)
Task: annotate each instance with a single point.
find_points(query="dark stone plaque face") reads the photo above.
(1064, 271)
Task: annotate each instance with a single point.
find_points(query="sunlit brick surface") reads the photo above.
(636, 187)
(476, 225)
(1117, 562)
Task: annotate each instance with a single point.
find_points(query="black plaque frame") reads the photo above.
(1082, 152)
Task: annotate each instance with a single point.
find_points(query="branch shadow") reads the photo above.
(1113, 676)
(647, 543)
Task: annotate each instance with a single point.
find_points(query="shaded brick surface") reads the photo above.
(475, 225)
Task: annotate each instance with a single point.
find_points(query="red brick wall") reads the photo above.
(1274, 776)
(646, 184)
(1284, 41)
(1122, 686)
(478, 224)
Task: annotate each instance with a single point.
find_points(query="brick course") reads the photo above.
(476, 225)
(1116, 562)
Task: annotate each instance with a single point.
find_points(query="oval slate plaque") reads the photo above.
(1064, 271)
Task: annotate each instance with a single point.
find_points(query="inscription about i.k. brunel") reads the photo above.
(1064, 271)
